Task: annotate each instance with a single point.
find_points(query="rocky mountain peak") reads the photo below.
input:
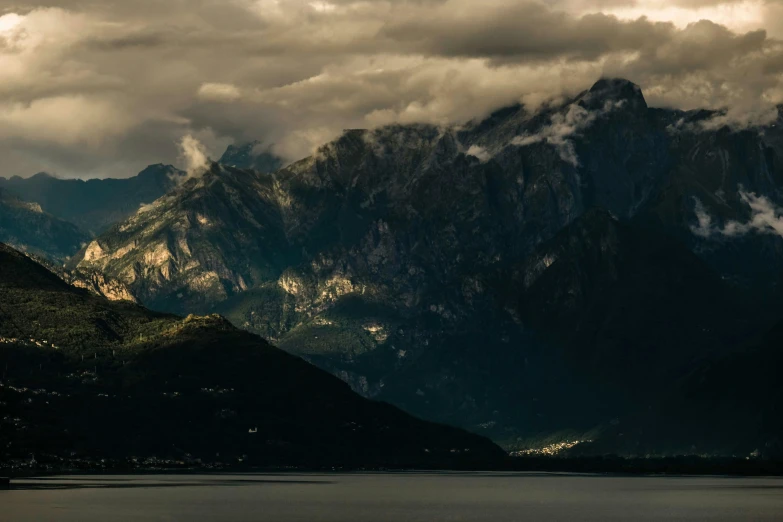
(159, 170)
(42, 175)
(251, 155)
(617, 90)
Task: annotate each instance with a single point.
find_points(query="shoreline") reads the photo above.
(615, 466)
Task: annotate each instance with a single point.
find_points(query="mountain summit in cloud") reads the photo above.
(252, 155)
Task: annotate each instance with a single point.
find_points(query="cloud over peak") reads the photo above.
(194, 155)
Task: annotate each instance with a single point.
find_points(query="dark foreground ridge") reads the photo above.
(88, 384)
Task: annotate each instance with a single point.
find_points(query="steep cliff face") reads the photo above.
(97, 283)
(209, 239)
(408, 259)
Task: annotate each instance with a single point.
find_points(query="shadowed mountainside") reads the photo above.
(26, 226)
(85, 379)
(95, 204)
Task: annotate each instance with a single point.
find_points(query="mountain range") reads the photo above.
(95, 204)
(92, 206)
(534, 276)
(27, 226)
(595, 272)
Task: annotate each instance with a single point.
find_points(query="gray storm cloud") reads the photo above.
(104, 87)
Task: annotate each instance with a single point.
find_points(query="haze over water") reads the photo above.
(410, 497)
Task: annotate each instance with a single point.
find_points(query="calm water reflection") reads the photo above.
(490, 497)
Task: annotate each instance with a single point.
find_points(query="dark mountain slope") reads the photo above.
(405, 208)
(633, 309)
(603, 319)
(26, 226)
(731, 405)
(737, 401)
(84, 378)
(95, 204)
(714, 173)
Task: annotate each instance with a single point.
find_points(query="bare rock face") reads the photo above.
(94, 282)
(414, 261)
(184, 247)
(98, 284)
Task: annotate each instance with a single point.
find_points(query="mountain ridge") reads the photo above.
(93, 205)
(27, 226)
(388, 256)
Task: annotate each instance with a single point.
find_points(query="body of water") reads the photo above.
(403, 497)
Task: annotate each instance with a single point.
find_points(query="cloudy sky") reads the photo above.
(99, 88)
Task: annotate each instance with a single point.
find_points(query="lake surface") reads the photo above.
(408, 497)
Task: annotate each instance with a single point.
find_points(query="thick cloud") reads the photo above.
(104, 87)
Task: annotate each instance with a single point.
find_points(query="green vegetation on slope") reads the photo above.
(84, 378)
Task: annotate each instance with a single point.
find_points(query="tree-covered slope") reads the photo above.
(84, 378)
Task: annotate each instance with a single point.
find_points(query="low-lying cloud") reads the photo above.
(563, 126)
(121, 82)
(195, 157)
(480, 153)
(766, 218)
